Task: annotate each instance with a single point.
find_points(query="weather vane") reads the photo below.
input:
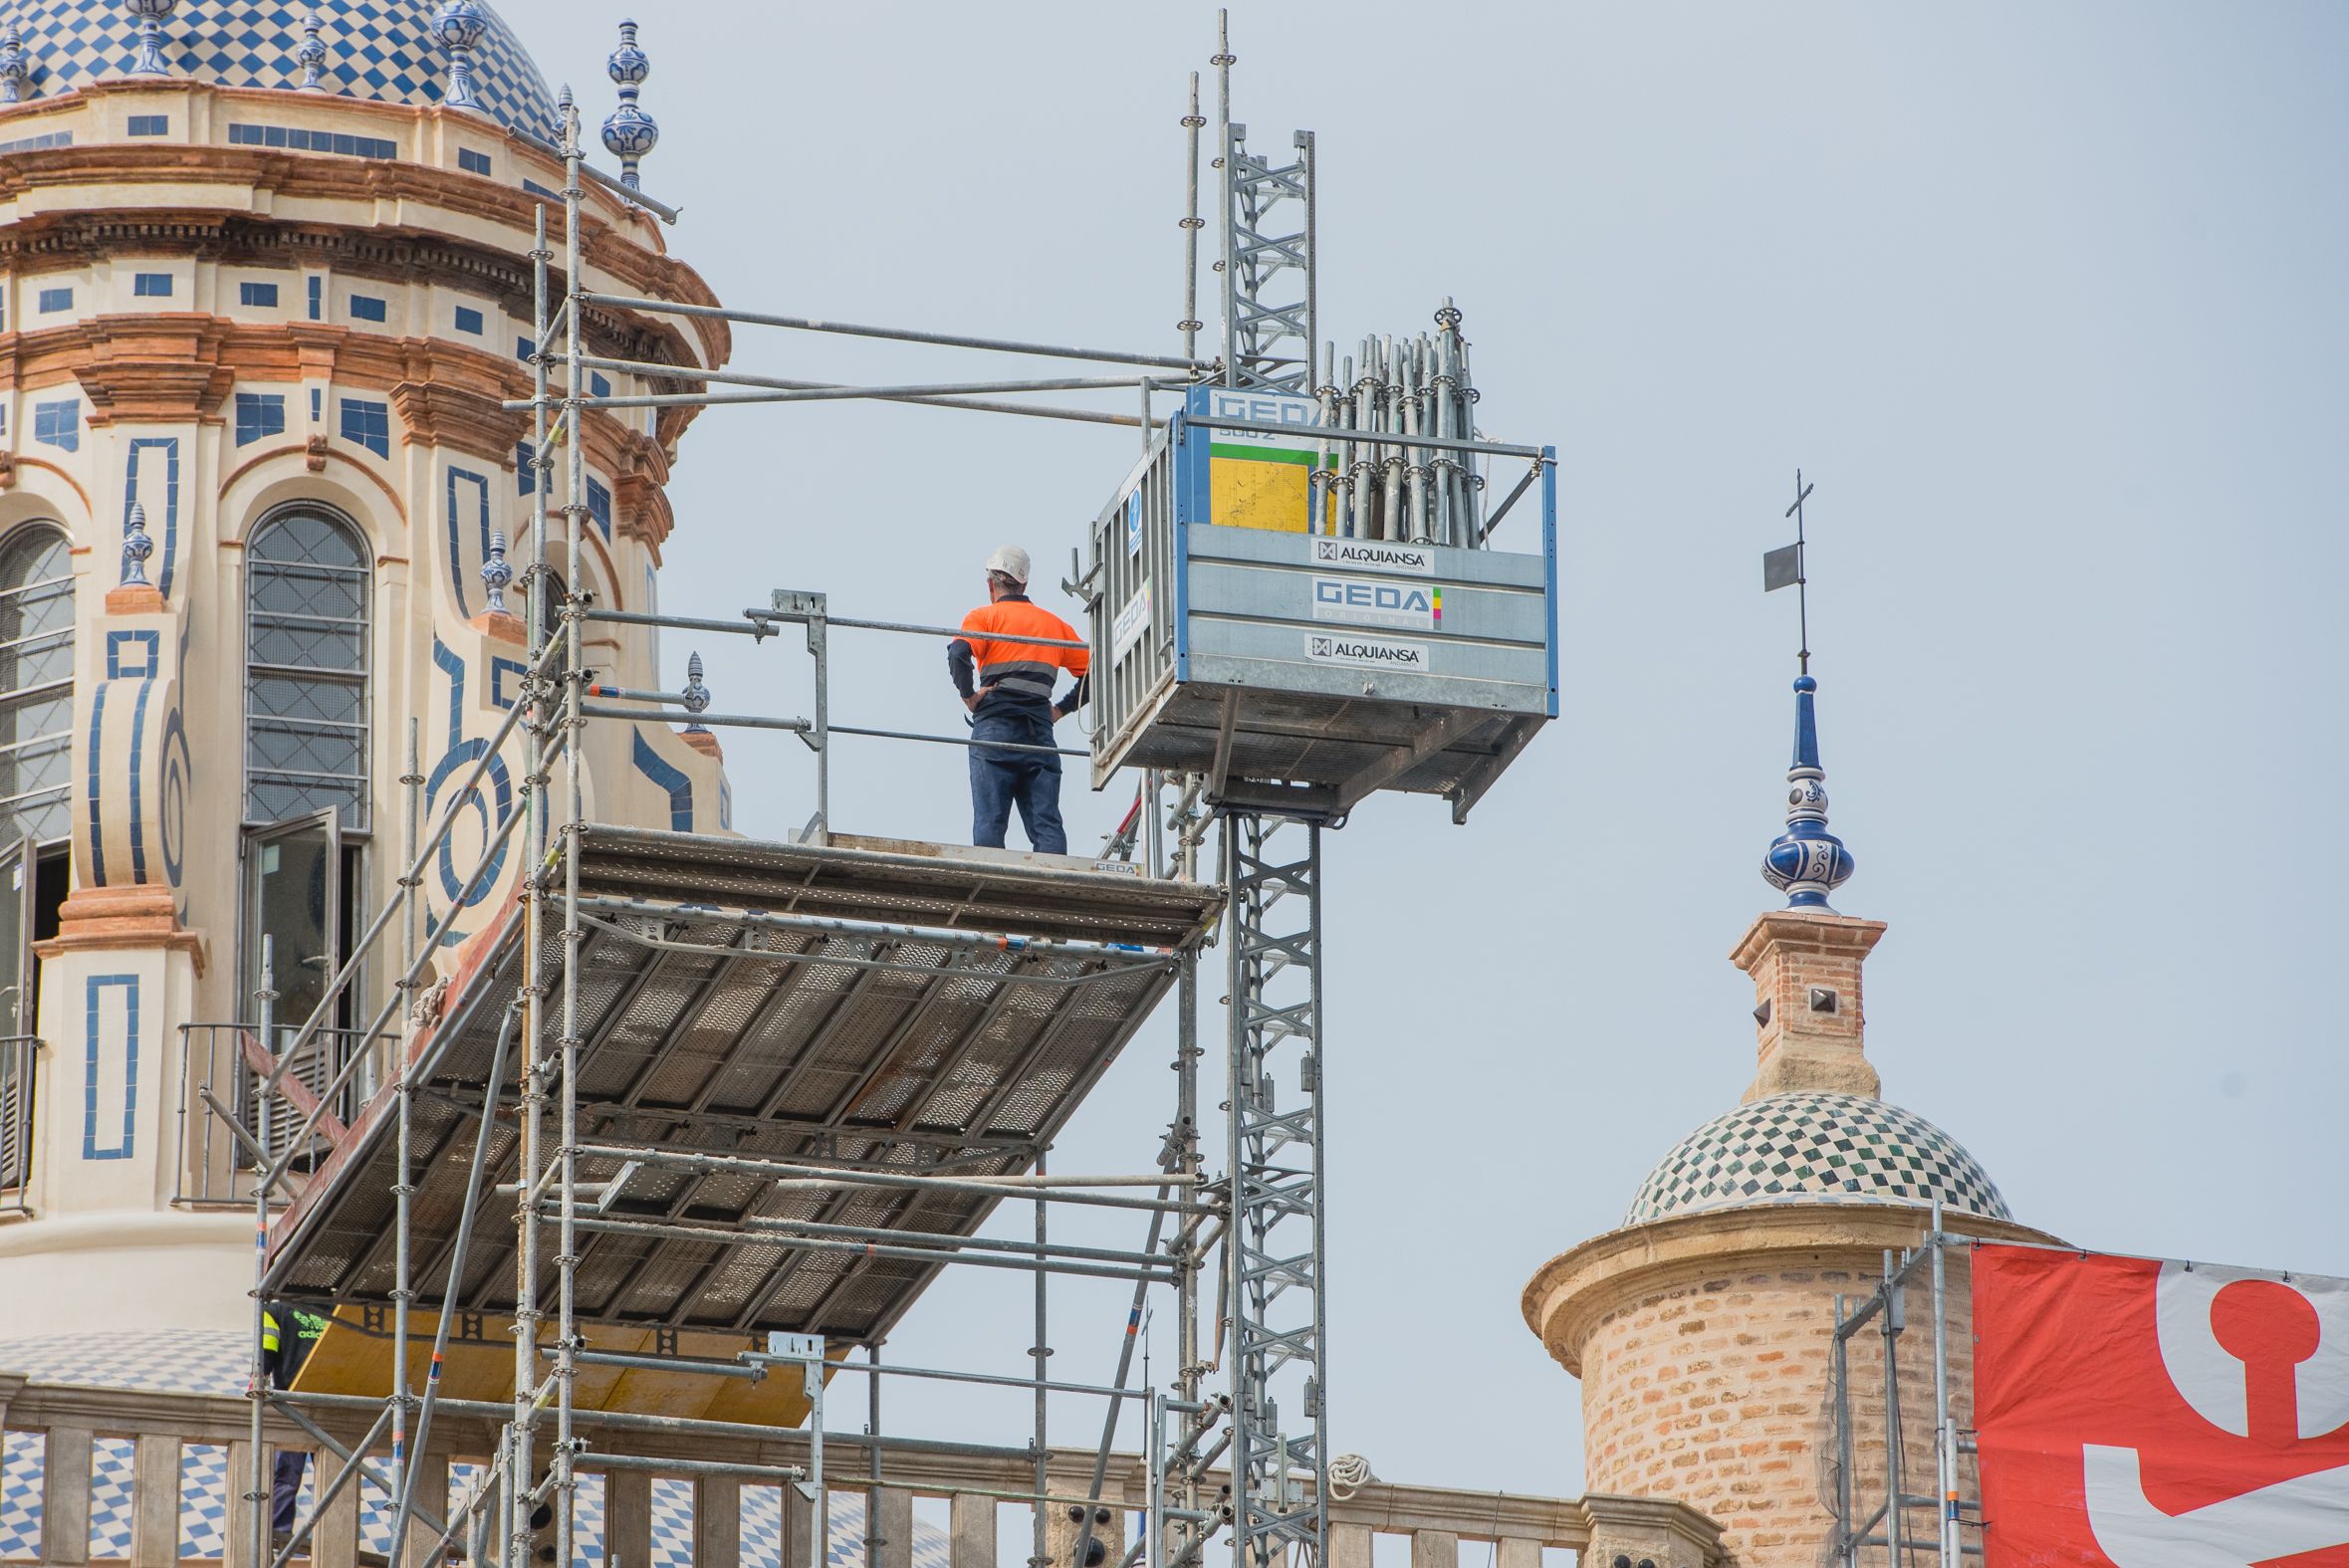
(1784, 566)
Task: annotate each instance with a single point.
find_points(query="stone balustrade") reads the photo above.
(70, 1423)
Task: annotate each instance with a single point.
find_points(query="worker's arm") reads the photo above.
(962, 664)
(1075, 697)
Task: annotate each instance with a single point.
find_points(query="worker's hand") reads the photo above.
(973, 701)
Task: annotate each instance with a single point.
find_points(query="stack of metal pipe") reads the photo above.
(1367, 488)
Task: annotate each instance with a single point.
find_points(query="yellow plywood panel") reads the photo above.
(1253, 493)
(348, 1359)
(1266, 487)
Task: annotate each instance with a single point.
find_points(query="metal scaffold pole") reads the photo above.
(574, 523)
(511, 1526)
(1189, 1249)
(258, 1480)
(1274, 1245)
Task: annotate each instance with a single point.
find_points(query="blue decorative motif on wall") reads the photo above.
(600, 508)
(500, 670)
(457, 556)
(133, 659)
(672, 780)
(462, 755)
(139, 784)
(169, 447)
(97, 786)
(178, 778)
(146, 646)
(91, 1055)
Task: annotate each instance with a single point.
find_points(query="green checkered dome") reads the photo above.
(1814, 1148)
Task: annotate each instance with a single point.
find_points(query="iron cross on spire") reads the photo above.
(1784, 566)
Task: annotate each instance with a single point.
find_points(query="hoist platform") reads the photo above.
(750, 1012)
(1299, 671)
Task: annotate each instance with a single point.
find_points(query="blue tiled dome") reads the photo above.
(1816, 1149)
(376, 49)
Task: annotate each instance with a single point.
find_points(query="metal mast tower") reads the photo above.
(1269, 331)
(1274, 1312)
(1273, 867)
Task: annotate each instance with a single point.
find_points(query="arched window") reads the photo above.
(306, 669)
(36, 683)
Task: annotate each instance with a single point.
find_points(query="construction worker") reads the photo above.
(286, 1338)
(1008, 687)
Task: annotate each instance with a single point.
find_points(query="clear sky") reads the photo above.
(2046, 300)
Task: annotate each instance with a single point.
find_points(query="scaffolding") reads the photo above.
(776, 1089)
(1868, 1473)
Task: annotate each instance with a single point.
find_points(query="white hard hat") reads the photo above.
(1011, 561)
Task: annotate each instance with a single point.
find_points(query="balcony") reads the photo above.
(223, 1062)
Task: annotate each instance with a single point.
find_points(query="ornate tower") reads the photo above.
(263, 298)
(1702, 1327)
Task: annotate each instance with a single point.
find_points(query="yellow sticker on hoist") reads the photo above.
(1263, 478)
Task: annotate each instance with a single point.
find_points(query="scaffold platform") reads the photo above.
(752, 1019)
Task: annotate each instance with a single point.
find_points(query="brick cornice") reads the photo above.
(110, 919)
(645, 510)
(1568, 1296)
(85, 235)
(183, 367)
(1803, 930)
(466, 418)
(154, 369)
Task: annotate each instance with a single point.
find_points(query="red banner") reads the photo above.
(2137, 1414)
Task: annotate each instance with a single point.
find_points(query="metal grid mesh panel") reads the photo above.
(877, 1047)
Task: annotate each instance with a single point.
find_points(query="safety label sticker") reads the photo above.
(1370, 653)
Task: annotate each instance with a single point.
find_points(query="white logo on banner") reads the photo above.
(2303, 1515)
(2215, 1382)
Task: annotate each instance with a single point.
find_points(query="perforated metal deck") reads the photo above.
(926, 1014)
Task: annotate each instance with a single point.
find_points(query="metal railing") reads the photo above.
(19, 1061)
(221, 1064)
(812, 610)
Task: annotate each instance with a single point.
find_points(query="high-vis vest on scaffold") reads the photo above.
(1022, 671)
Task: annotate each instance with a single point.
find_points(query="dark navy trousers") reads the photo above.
(1002, 780)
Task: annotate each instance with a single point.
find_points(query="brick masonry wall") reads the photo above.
(1714, 1391)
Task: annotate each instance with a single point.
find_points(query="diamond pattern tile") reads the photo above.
(214, 1362)
(1815, 1148)
(20, 1497)
(376, 49)
(109, 1497)
(203, 1502)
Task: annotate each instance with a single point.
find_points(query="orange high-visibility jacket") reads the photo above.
(1022, 671)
